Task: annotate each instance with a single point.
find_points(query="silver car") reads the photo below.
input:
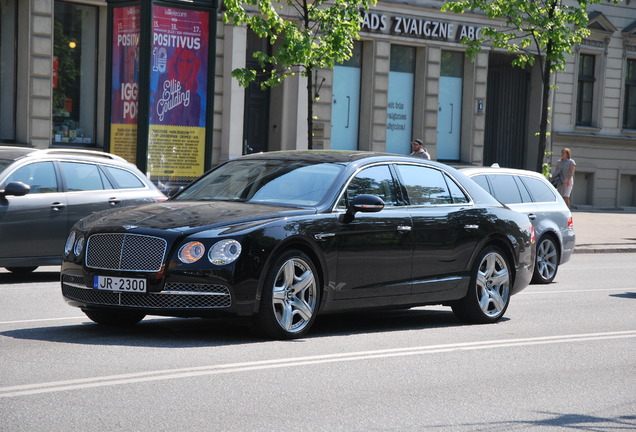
(530, 193)
(44, 192)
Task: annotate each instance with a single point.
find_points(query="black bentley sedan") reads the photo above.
(284, 236)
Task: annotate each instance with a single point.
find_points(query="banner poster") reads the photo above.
(125, 82)
(178, 91)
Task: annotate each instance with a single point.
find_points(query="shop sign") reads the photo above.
(424, 28)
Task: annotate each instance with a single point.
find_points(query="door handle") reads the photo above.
(404, 228)
(114, 201)
(58, 206)
(471, 227)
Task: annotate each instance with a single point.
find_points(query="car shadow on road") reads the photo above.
(37, 276)
(194, 332)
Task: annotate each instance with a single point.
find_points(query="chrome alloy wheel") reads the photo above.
(547, 260)
(295, 295)
(493, 284)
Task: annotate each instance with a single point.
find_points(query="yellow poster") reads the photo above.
(123, 141)
(178, 152)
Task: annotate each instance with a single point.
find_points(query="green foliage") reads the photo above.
(550, 28)
(305, 35)
(546, 167)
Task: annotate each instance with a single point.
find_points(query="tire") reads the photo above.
(489, 290)
(21, 270)
(547, 264)
(289, 298)
(117, 319)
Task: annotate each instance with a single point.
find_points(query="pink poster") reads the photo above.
(125, 82)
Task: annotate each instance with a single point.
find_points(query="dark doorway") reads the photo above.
(256, 121)
(506, 134)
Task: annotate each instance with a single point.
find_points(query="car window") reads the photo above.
(541, 192)
(482, 181)
(124, 179)
(83, 177)
(265, 181)
(505, 189)
(525, 195)
(424, 185)
(40, 176)
(376, 180)
(458, 196)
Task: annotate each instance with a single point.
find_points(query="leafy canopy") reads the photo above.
(305, 35)
(551, 27)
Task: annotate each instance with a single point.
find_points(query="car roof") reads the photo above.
(15, 153)
(471, 171)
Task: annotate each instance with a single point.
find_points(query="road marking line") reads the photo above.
(42, 320)
(158, 375)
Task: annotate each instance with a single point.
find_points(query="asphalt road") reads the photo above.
(563, 358)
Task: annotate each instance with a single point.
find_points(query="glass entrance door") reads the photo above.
(345, 103)
(449, 116)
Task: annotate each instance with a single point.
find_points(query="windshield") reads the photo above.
(295, 183)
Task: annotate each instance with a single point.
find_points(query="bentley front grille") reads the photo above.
(125, 252)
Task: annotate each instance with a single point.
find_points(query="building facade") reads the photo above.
(408, 78)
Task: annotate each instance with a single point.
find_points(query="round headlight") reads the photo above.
(79, 246)
(191, 252)
(224, 252)
(69, 243)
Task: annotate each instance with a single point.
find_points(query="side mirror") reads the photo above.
(16, 189)
(175, 190)
(366, 203)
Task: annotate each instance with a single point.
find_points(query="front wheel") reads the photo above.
(118, 319)
(290, 297)
(489, 291)
(547, 263)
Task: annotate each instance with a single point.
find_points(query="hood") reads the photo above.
(186, 216)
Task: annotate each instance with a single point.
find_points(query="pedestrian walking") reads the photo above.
(564, 174)
(418, 149)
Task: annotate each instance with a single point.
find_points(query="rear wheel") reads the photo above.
(489, 291)
(119, 319)
(547, 263)
(21, 270)
(290, 297)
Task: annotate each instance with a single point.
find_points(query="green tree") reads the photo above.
(535, 30)
(305, 35)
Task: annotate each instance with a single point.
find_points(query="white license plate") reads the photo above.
(110, 283)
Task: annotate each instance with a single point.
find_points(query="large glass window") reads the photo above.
(449, 115)
(629, 116)
(74, 74)
(399, 125)
(7, 69)
(345, 102)
(585, 92)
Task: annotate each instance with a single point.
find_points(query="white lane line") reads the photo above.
(43, 320)
(167, 374)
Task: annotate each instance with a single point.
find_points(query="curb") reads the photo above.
(602, 250)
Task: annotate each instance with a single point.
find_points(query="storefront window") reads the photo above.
(629, 116)
(345, 102)
(74, 74)
(449, 116)
(399, 125)
(7, 69)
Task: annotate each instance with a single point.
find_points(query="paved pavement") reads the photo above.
(600, 231)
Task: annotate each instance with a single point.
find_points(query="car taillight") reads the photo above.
(570, 223)
(533, 235)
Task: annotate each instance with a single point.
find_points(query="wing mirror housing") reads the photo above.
(15, 189)
(365, 204)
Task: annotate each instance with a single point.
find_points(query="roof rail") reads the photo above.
(76, 152)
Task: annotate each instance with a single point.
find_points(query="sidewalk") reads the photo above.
(604, 231)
